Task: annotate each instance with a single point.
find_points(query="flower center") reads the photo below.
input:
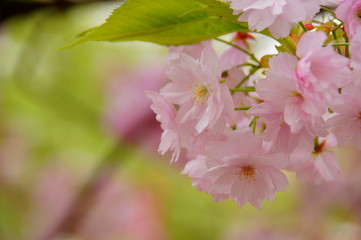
(295, 94)
(358, 14)
(200, 93)
(247, 173)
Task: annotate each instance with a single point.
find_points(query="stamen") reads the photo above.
(200, 93)
(247, 173)
(295, 94)
(358, 15)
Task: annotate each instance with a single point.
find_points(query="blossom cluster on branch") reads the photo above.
(241, 121)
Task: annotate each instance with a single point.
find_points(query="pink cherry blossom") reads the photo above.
(355, 47)
(320, 72)
(126, 93)
(277, 15)
(196, 88)
(241, 169)
(196, 169)
(123, 210)
(346, 124)
(317, 166)
(350, 12)
(279, 132)
(193, 50)
(283, 108)
(166, 115)
(195, 144)
(56, 185)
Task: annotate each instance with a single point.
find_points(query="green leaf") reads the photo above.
(170, 22)
(288, 45)
(221, 9)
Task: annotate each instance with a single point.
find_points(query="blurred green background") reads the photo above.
(68, 172)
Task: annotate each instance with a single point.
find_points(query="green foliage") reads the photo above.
(288, 45)
(170, 22)
(220, 9)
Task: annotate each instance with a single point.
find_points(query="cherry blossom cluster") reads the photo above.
(241, 121)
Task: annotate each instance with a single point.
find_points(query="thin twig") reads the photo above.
(241, 49)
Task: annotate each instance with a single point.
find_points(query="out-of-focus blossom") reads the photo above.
(261, 233)
(194, 50)
(13, 156)
(127, 112)
(350, 12)
(123, 211)
(317, 166)
(51, 201)
(346, 124)
(277, 15)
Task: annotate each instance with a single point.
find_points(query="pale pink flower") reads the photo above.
(279, 132)
(241, 169)
(56, 185)
(166, 115)
(195, 144)
(355, 47)
(350, 12)
(122, 210)
(196, 169)
(193, 50)
(277, 15)
(196, 88)
(317, 166)
(283, 108)
(347, 122)
(320, 72)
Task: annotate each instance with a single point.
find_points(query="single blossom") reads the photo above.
(196, 169)
(350, 12)
(277, 15)
(317, 166)
(166, 115)
(194, 50)
(346, 123)
(241, 169)
(196, 89)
